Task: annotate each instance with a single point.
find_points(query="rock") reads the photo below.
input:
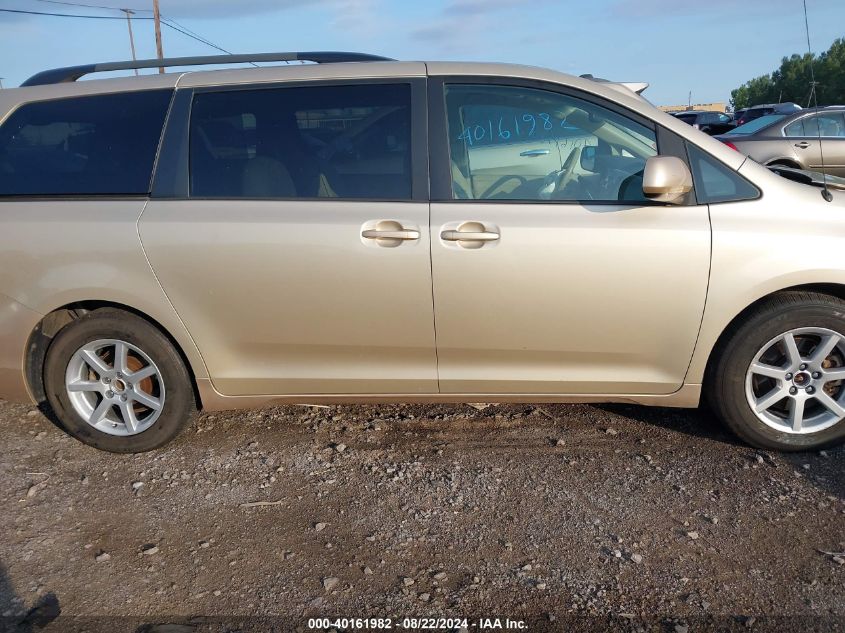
(560, 442)
(205, 544)
(693, 535)
(149, 550)
(340, 447)
(319, 527)
(35, 489)
(681, 628)
(137, 485)
(31, 414)
(526, 568)
(610, 431)
(839, 560)
(636, 558)
(407, 581)
(440, 576)
(541, 585)
(425, 597)
(368, 571)
(102, 557)
(330, 583)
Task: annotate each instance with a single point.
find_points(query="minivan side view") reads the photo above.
(367, 230)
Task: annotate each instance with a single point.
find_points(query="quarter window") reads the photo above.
(93, 145)
(514, 143)
(351, 141)
(716, 182)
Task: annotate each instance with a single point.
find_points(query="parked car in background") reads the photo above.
(799, 140)
(755, 112)
(387, 231)
(708, 122)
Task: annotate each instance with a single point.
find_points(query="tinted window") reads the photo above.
(103, 144)
(512, 143)
(828, 124)
(715, 182)
(756, 124)
(350, 141)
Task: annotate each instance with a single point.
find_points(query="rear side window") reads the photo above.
(94, 145)
(345, 141)
(715, 182)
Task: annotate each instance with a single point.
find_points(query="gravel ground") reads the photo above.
(567, 517)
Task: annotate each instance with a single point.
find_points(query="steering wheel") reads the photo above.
(568, 174)
(500, 182)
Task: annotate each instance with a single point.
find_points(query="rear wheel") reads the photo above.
(779, 382)
(116, 382)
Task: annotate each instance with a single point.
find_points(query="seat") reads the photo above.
(265, 177)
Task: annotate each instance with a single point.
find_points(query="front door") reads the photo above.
(299, 257)
(570, 282)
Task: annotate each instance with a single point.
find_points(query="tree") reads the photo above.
(791, 82)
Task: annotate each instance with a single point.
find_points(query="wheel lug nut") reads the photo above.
(123, 398)
(817, 375)
(110, 394)
(793, 390)
(802, 368)
(811, 390)
(788, 376)
(107, 380)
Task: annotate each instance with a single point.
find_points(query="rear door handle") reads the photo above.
(399, 234)
(534, 152)
(469, 236)
(802, 145)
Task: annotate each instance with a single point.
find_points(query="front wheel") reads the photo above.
(779, 381)
(116, 382)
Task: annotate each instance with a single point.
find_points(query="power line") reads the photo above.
(166, 21)
(70, 15)
(89, 6)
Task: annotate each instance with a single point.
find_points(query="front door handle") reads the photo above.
(534, 152)
(398, 234)
(469, 236)
(802, 145)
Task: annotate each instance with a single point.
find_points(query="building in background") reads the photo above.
(700, 107)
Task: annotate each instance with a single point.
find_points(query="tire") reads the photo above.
(154, 390)
(812, 321)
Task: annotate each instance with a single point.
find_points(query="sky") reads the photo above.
(708, 47)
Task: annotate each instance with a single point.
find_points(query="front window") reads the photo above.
(826, 124)
(513, 143)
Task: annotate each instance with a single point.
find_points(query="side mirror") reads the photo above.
(666, 179)
(588, 158)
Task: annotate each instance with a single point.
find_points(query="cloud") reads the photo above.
(474, 16)
(673, 8)
(230, 8)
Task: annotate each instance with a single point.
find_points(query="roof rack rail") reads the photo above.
(72, 73)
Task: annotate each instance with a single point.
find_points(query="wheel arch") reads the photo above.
(54, 321)
(830, 289)
(784, 162)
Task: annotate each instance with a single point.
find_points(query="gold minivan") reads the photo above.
(367, 230)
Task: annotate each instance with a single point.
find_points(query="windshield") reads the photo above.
(756, 124)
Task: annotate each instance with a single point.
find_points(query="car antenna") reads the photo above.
(825, 191)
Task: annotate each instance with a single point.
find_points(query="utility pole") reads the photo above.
(1, 82)
(129, 13)
(157, 20)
